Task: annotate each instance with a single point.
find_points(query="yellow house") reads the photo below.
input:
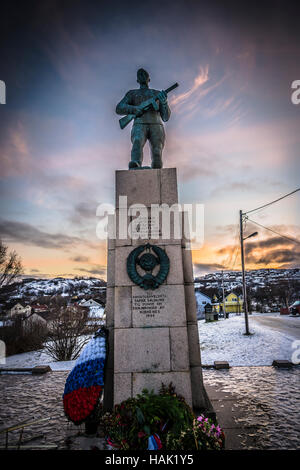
(233, 304)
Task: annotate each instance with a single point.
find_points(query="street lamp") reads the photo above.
(243, 271)
(252, 235)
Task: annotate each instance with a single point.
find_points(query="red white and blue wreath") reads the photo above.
(85, 383)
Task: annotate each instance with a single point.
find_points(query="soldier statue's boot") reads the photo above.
(156, 165)
(133, 165)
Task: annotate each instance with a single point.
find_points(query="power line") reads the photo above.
(233, 253)
(269, 203)
(279, 234)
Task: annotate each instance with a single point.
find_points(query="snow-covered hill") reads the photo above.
(30, 289)
(263, 286)
(268, 289)
(255, 278)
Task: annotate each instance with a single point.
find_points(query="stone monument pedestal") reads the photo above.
(153, 334)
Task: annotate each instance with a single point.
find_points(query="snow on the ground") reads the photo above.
(40, 358)
(224, 340)
(36, 358)
(62, 365)
(219, 341)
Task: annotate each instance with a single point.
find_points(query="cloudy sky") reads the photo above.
(233, 134)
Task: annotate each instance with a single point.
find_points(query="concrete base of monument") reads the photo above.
(153, 334)
(199, 401)
(207, 409)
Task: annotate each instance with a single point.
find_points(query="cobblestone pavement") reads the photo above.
(24, 397)
(266, 399)
(267, 404)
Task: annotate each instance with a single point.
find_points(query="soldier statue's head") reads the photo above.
(143, 77)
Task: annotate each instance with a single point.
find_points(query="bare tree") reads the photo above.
(66, 333)
(10, 265)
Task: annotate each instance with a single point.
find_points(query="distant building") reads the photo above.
(233, 304)
(92, 304)
(25, 314)
(42, 311)
(202, 300)
(19, 309)
(37, 308)
(34, 318)
(95, 308)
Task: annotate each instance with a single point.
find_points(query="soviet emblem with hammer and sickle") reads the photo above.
(147, 257)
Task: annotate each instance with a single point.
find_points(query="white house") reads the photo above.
(26, 314)
(95, 308)
(202, 300)
(19, 309)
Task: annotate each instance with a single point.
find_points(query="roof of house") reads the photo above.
(232, 293)
(40, 307)
(204, 295)
(35, 316)
(47, 315)
(90, 302)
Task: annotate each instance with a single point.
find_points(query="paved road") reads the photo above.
(284, 324)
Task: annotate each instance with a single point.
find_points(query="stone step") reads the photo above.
(221, 365)
(282, 364)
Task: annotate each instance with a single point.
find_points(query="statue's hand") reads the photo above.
(162, 96)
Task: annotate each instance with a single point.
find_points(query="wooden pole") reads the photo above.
(243, 275)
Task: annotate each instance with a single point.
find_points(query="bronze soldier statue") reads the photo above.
(148, 108)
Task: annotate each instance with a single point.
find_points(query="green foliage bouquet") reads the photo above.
(166, 416)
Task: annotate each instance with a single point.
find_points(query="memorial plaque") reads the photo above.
(162, 307)
(150, 306)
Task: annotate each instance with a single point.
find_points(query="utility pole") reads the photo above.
(224, 308)
(243, 274)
